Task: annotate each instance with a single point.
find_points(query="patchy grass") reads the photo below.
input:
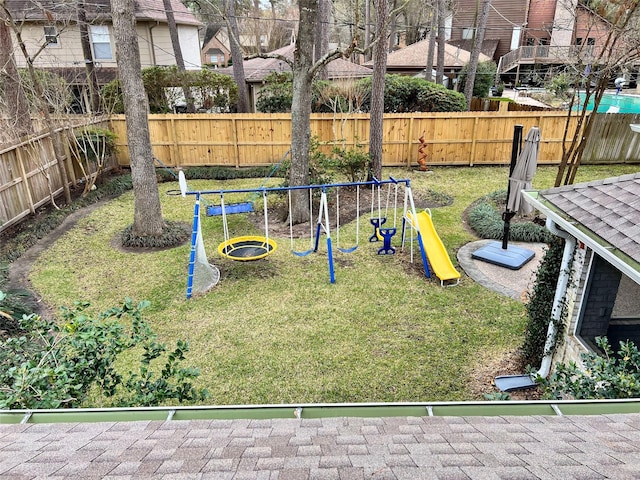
(276, 330)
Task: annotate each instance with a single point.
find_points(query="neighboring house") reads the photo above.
(504, 28)
(601, 221)
(215, 47)
(53, 27)
(557, 33)
(412, 59)
(258, 68)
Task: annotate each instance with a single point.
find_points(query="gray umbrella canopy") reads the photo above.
(523, 173)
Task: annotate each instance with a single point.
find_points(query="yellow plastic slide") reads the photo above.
(435, 250)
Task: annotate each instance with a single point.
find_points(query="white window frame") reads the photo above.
(100, 38)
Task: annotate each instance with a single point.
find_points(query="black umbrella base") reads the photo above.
(512, 258)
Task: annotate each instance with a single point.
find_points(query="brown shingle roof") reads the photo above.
(415, 56)
(256, 69)
(610, 208)
(65, 10)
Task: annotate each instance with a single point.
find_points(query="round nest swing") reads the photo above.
(247, 248)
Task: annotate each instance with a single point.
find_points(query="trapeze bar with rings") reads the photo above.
(254, 247)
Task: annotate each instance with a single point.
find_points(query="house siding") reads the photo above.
(540, 22)
(499, 25)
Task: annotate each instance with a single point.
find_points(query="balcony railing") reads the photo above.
(547, 54)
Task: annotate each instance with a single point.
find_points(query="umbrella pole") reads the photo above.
(507, 215)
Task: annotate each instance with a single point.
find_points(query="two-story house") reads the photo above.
(532, 39)
(52, 35)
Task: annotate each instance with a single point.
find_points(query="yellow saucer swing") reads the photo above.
(247, 247)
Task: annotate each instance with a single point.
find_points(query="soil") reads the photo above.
(348, 199)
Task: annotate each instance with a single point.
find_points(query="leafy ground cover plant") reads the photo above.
(57, 364)
(607, 374)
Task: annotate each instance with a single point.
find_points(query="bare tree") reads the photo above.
(478, 38)
(441, 7)
(433, 22)
(89, 65)
(322, 36)
(147, 221)
(177, 51)
(50, 123)
(595, 65)
(237, 57)
(377, 88)
(14, 93)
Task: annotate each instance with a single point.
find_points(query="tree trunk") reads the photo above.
(377, 88)
(478, 38)
(147, 219)
(428, 73)
(92, 78)
(392, 27)
(17, 104)
(440, 57)
(322, 36)
(367, 30)
(237, 58)
(301, 109)
(177, 52)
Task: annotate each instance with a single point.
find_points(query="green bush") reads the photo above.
(173, 234)
(162, 85)
(606, 376)
(487, 222)
(485, 77)
(277, 94)
(540, 305)
(354, 163)
(57, 365)
(411, 94)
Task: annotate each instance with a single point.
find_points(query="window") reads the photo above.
(101, 42)
(591, 41)
(51, 36)
(467, 33)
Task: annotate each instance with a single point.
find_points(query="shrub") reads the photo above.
(485, 76)
(485, 220)
(55, 365)
(173, 234)
(540, 305)
(410, 94)
(610, 375)
(353, 163)
(277, 94)
(163, 85)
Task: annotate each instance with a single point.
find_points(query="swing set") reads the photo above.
(254, 247)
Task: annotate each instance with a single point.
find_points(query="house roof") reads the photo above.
(603, 213)
(48, 10)
(414, 56)
(398, 447)
(256, 69)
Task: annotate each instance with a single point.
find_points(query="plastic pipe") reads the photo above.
(561, 290)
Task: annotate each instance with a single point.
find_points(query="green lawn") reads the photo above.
(276, 330)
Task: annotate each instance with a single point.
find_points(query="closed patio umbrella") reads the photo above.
(523, 173)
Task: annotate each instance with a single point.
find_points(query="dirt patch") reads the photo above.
(350, 208)
(482, 378)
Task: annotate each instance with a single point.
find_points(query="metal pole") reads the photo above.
(507, 215)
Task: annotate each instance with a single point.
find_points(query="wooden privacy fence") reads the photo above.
(29, 174)
(612, 141)
(246, 140)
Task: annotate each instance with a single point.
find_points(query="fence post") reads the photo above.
(25, 180)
